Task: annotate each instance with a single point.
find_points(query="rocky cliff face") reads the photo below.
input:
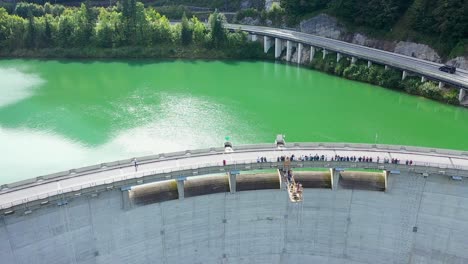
(322, 25)
(459, 62)
(327, 26)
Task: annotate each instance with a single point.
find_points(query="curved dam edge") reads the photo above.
(215, 151)
(198, 162)
(418, 220)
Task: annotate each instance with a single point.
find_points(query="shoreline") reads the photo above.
(191, 52)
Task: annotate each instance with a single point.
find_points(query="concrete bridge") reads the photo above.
(293, 41)
(56, 188)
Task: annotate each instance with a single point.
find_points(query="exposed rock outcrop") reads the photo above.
(304, 57)
(459, 62)
(417, 50)
(327, 26)
(322, 25)
(250, 21)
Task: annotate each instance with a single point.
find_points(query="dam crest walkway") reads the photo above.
(192, 163)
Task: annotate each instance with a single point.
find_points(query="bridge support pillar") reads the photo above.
(338, 57)
(369, 64)
(253, 37)
(335, 177)
(403, 75)
(423, 79)
(299, 53)
(180, 187)
(288, 50)
(325, 52)
(266, 44)
(278, 47)
(232, 182)
(461, 94)
(312, 53)
(441, 85)
(386, 67)
(353, 60)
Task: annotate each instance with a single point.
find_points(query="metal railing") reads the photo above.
(238, 149)
(136, 178)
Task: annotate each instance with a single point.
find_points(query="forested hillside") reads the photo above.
(125, 30)
(441, 23)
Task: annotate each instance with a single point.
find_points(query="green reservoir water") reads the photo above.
(58, 115)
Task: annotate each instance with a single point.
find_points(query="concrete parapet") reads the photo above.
(34, 201)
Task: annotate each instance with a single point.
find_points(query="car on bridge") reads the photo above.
(448, 68)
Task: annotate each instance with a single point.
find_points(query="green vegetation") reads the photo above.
(225, 5)
(441, 24)
(126, 30)
(377, 75)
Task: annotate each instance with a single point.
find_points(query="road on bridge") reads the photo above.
(426, 68)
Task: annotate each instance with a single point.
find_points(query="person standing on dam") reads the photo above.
(135, 163)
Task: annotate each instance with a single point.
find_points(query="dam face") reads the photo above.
(418, 220)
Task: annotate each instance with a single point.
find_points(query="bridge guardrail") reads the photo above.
(351, 49)
(241, 148)
(243, 165)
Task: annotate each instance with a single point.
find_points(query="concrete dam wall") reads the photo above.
(417, 220)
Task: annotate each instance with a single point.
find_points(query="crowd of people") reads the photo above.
(316, 157)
